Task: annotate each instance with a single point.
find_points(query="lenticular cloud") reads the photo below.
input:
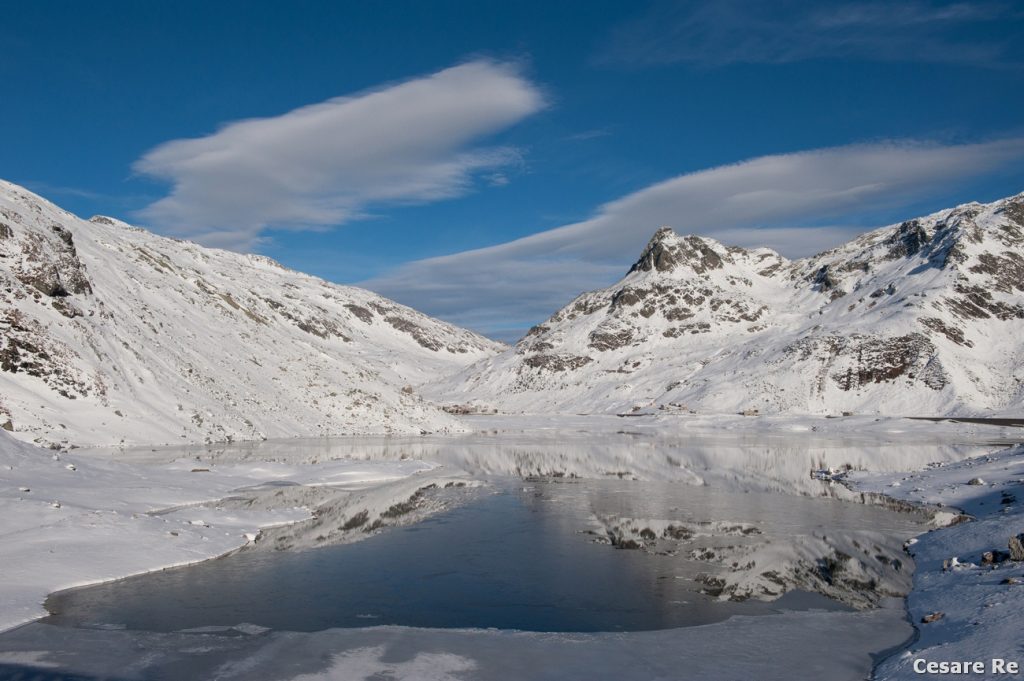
(322, 164)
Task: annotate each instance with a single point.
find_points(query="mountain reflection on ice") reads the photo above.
(777, 462)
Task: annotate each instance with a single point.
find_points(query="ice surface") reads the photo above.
(796, 645)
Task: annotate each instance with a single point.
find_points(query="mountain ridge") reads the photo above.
(917, 318)
(114, 335)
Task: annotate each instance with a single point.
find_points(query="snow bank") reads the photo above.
(976, 608)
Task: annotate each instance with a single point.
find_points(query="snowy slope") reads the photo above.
(921, 318)
(975, 603)
(110, 334)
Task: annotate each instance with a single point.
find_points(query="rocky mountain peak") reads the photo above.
(667, 251)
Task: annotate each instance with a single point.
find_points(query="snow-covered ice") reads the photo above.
(103, 519)
(783, 647)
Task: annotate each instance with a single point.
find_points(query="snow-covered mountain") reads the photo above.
(921, 318)
(111, 334)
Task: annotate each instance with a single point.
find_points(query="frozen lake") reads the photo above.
(519, 557)
(689, 543)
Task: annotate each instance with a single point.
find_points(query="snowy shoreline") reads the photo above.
(72, 520)
(962, 606)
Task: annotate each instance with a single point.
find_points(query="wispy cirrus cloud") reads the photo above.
(104, 199)
(325, 164)
(795, 203)
(713, 34)
(593, 133)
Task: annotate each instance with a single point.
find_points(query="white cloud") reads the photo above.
(790, 202)
(323, 164)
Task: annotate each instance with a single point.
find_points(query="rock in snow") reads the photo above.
(1016, 545)
(111, 334)
(921, 318)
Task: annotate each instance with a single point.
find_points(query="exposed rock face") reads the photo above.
(1017, 547)
(922, 318)
(556, 362)
(855, 362)
(666, 251)
(109, 333)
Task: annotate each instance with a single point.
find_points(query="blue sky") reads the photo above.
(486, 161)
